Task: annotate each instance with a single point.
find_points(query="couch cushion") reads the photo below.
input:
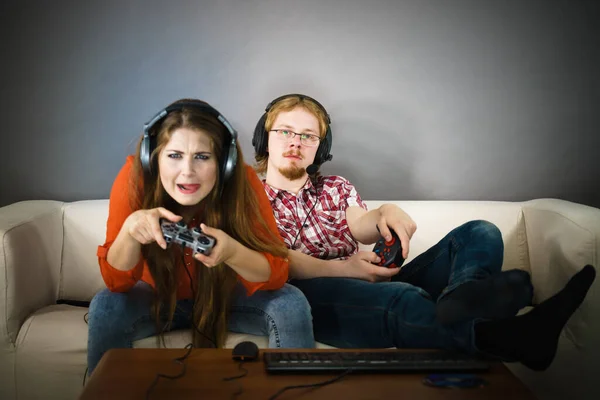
(435, 219)
(51, 354)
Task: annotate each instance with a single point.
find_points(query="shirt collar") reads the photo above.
(273, 192)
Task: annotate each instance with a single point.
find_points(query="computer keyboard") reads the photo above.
(387, 361)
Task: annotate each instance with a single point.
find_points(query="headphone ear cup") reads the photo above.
(323, 152)
(328, 143)
(230, 162)
(145, 153)
(259, 139)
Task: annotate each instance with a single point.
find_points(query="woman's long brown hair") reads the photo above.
(236, 212)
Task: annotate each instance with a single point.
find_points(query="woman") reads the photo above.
(189, 168)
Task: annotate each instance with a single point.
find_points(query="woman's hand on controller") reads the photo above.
(394, 217)
(144, 225)
(363, 265)
(223, 250)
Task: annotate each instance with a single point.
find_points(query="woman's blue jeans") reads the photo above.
(116, 320)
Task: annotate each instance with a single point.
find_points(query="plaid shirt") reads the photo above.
(317, 217)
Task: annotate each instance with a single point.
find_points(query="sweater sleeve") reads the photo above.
(279, 265)
(118, 210)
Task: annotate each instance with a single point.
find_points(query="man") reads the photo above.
(453, 296)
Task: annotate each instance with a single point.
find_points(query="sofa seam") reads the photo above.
(6, 289)
(12, 344)
(4, 245)
(24, 222)
(16, 356)
(59, 292)
(524, 254)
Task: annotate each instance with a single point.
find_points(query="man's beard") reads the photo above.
(293, 173)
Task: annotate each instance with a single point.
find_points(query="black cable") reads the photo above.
(178, 360)
(240, 388)
(87, 367)
(320, 384)
(306, 219)
(231, 378)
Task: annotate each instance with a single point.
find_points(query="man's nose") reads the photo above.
(295, 141)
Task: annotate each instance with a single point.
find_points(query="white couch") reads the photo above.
(48, 252)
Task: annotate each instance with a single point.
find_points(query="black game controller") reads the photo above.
(192, 238)
(389, 252)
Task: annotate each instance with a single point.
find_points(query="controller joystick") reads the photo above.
(193, 238)
(390, 252)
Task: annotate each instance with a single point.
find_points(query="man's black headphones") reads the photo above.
(229, 155)
(261, 136)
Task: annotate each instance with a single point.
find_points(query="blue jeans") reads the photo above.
(116, 320)
(352, 313)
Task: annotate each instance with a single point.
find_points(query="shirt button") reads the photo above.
(305, 225)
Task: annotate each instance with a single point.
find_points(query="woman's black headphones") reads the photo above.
(261, 136)
(229, 155)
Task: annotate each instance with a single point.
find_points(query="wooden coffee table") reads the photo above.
(128, 373)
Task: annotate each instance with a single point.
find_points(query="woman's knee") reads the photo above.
(289, 303)
(290, 319)
(103, 302)
(117, 306)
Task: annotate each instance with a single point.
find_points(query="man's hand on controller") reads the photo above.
(363, 265)
(393, 217)
(144, 225)
(224, 248)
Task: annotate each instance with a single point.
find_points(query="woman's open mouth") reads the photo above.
(189, 188)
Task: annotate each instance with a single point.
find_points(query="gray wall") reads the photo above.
(430, 99)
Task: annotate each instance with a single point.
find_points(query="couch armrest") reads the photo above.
(31, 234)
(562, 238)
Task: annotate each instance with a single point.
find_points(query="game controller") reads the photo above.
(390, 252)
(193, 238)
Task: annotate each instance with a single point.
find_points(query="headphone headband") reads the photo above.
(302, 97)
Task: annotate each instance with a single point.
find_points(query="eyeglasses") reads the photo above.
(305, 138)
